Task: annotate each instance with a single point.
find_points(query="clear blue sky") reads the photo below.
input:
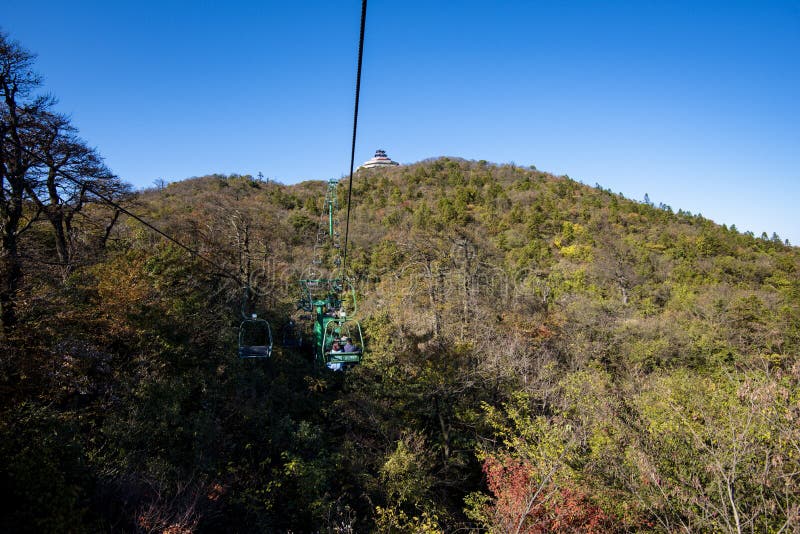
(693, 102)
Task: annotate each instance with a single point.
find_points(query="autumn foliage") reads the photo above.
(524, 504)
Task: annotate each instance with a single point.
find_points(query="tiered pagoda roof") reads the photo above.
(379, 160)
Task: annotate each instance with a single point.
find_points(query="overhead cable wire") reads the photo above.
(155, 229)
(160, 232)
(355, 129)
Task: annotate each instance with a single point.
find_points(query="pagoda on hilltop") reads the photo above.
(379, 160)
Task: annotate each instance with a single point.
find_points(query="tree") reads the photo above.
(17, 116)
(45, 169)
(717, 453)
(529, 476)
(66, 176)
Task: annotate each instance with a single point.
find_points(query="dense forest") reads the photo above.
(541, 355)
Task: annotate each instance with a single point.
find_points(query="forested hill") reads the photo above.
(541, 356)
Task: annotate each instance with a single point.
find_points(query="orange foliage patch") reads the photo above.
(551, 510)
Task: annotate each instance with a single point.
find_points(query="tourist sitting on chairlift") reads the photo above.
(336, 348)
(348, 345)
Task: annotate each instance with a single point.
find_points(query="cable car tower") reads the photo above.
(330, 297)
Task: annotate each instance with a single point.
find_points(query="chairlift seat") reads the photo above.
(343, 357)
(255, 351)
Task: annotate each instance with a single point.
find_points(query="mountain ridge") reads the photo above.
(526, 335)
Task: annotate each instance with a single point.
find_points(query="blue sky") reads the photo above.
(694, 103)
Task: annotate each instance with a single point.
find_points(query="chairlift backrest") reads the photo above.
(255, 338)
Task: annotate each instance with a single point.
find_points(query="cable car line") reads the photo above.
(222, 270)
(332, 321)
(330, 298)
(355, 129)
(255, 334)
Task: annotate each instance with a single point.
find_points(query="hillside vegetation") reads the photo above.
(541, 356)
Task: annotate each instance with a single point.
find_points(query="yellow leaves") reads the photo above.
(405, 472)
(572, 242)
(316, 384)
(683, 298)
(120, 281)
(294, 466)
(540, 440)
(582, 253)
(392, 520)
(713, 412)
(706, 432)
(655, 247)
(600, 440)
(649, 353)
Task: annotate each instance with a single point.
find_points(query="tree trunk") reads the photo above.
(10, 276)
(62, 247)
(10, 268)
(445, 428)
(109, 228)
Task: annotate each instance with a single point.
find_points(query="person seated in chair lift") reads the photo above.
(336, 348)
(348, 345)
